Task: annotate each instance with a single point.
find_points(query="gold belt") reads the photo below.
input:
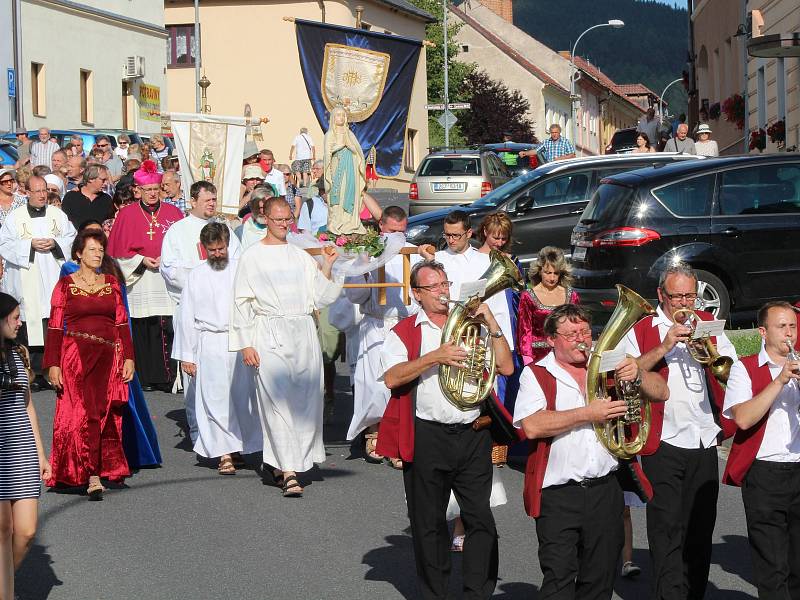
(89, 336)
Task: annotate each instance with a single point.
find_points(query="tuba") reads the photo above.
(466, 387)
(618, 435)
(701, 349)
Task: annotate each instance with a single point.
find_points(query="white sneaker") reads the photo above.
(630, 569)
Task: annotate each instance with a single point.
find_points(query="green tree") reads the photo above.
(495, 109)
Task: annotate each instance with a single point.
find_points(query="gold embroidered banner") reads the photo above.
(354, 78)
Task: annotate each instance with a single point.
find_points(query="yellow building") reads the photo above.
(249, 53)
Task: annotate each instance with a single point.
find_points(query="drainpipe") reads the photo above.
(16, 10)
(694, 100)
(746, 82)
(321, 9)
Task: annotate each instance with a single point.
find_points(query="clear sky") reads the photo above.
(678, 3)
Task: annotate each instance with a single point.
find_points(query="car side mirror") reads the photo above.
(524, 204)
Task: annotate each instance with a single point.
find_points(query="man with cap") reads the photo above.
(705, 146)
(135, 242)
(24, 148)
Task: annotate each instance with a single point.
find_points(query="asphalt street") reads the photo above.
(183, 531)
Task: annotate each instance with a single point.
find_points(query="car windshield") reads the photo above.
(625, 137)
(440, 166)
(608, 205)
(507, 190)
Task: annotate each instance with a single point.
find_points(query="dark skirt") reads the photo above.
(152, 346)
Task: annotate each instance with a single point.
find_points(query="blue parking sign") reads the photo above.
(12, 83)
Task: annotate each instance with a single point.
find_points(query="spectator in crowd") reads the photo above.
(75, 147)
(131, 165)
(314, 210)
(55, 184)
(111, 161)
(9, 199)
(643, 143)
(59, 162)
(705, 146)
(304, 153)
(170, 163)
(681, 142)
(158, 150)
(555, 147)
(42, 149)
(676, 123)
(89, 202)
(250, 153)
(251, 177)
(136, 151)
(76, 166)
(123, 141)
(254, 229)
(171, 189)
(271, 173)
(23, 175)
(41, 171)
(649, 125)
(24, 148)
(53, 199)
(291, 188)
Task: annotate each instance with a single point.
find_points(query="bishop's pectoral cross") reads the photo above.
(151, 232)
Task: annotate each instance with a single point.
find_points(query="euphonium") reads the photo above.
(617, 435)
(701, 349)
(466, 387)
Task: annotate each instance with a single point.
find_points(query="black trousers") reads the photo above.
(36, 352)
(771, 496)
(457, 459)
(680, 519)
(152, 347)
(580, 539)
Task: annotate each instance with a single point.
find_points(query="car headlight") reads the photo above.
(416, 230)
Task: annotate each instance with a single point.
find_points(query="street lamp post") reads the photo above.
(661, 99)
(616, 24)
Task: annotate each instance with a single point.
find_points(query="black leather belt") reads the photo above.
(449, 427)
(585, 483)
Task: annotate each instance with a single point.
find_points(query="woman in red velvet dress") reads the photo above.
(550, 282)
(90, 358)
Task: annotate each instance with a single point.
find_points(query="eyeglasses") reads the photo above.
(454, 236)
(101, 145)
(442, 285)
(576, 335)
(121, 143)
(145, 190)
(282, 221)
(690, 296)
(4, 181)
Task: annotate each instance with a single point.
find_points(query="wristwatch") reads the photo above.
(497, 334)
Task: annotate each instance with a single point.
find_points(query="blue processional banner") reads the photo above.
(370, 74)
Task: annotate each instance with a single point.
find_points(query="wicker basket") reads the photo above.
(499, 455)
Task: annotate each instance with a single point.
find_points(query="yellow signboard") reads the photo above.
(150, 102)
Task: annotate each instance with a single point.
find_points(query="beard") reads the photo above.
(218, 264)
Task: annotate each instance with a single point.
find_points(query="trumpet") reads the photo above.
(702, 349)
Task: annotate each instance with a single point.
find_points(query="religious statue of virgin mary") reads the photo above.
(345, 176)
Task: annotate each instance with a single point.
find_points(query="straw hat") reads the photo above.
(253, 172)
(703, 128)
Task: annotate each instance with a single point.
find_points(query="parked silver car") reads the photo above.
(452, 177)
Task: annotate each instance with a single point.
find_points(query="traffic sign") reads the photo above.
(12, 83)
(434, 107)
(447, 120)
(459, 105)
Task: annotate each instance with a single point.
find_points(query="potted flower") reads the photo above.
(758, 140)
(777, 132)
(733, 109)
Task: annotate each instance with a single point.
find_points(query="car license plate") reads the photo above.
(449, 187)
(579, 254)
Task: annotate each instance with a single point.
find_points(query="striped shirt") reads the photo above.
(555, 148)
(42, 153)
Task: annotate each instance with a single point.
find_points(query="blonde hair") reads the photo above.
(550, 255)
(499, 222)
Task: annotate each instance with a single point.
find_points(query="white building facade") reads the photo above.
(93, 64)
(6, 63)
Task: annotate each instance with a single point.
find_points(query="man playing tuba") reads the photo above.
(680, 457)
(442, 447)
(570, 484)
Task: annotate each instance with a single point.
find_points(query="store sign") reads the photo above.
(150, 102)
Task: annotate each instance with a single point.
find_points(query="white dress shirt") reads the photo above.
(688, 420)
(431, 402)
(576, 454)
(781, 442)
(275, 177)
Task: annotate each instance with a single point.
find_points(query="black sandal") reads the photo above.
(277, 477)
(289, 483)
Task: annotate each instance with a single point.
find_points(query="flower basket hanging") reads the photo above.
(777, 132)
(758, 140)
(733, 109)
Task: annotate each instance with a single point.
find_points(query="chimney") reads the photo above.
(501, 8)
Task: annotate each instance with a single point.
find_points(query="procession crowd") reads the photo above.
(125, 285)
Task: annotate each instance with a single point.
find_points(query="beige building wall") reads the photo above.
(720, 72)
(260, 66)
(765, 102)
(95, 36)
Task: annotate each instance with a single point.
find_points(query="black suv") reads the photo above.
(736, 220)
(544, 204)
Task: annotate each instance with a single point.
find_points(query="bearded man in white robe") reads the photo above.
(371, 396)
(224, 388)
(35, 241)
(181, 251)
(277, 288)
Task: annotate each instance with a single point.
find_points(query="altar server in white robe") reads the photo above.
(276, 289)
(224, 388)
(369, 395)
(35, 241)
(181, 251)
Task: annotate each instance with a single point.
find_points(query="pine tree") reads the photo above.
(495, 109)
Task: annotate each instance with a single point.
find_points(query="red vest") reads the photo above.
(647, 337)
(630, 473)
(746, 442)
(396, 429)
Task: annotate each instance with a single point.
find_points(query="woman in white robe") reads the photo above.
(276, 289)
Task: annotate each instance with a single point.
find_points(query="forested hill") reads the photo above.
(650, 49)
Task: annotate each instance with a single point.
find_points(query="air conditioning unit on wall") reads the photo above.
(134, 67)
